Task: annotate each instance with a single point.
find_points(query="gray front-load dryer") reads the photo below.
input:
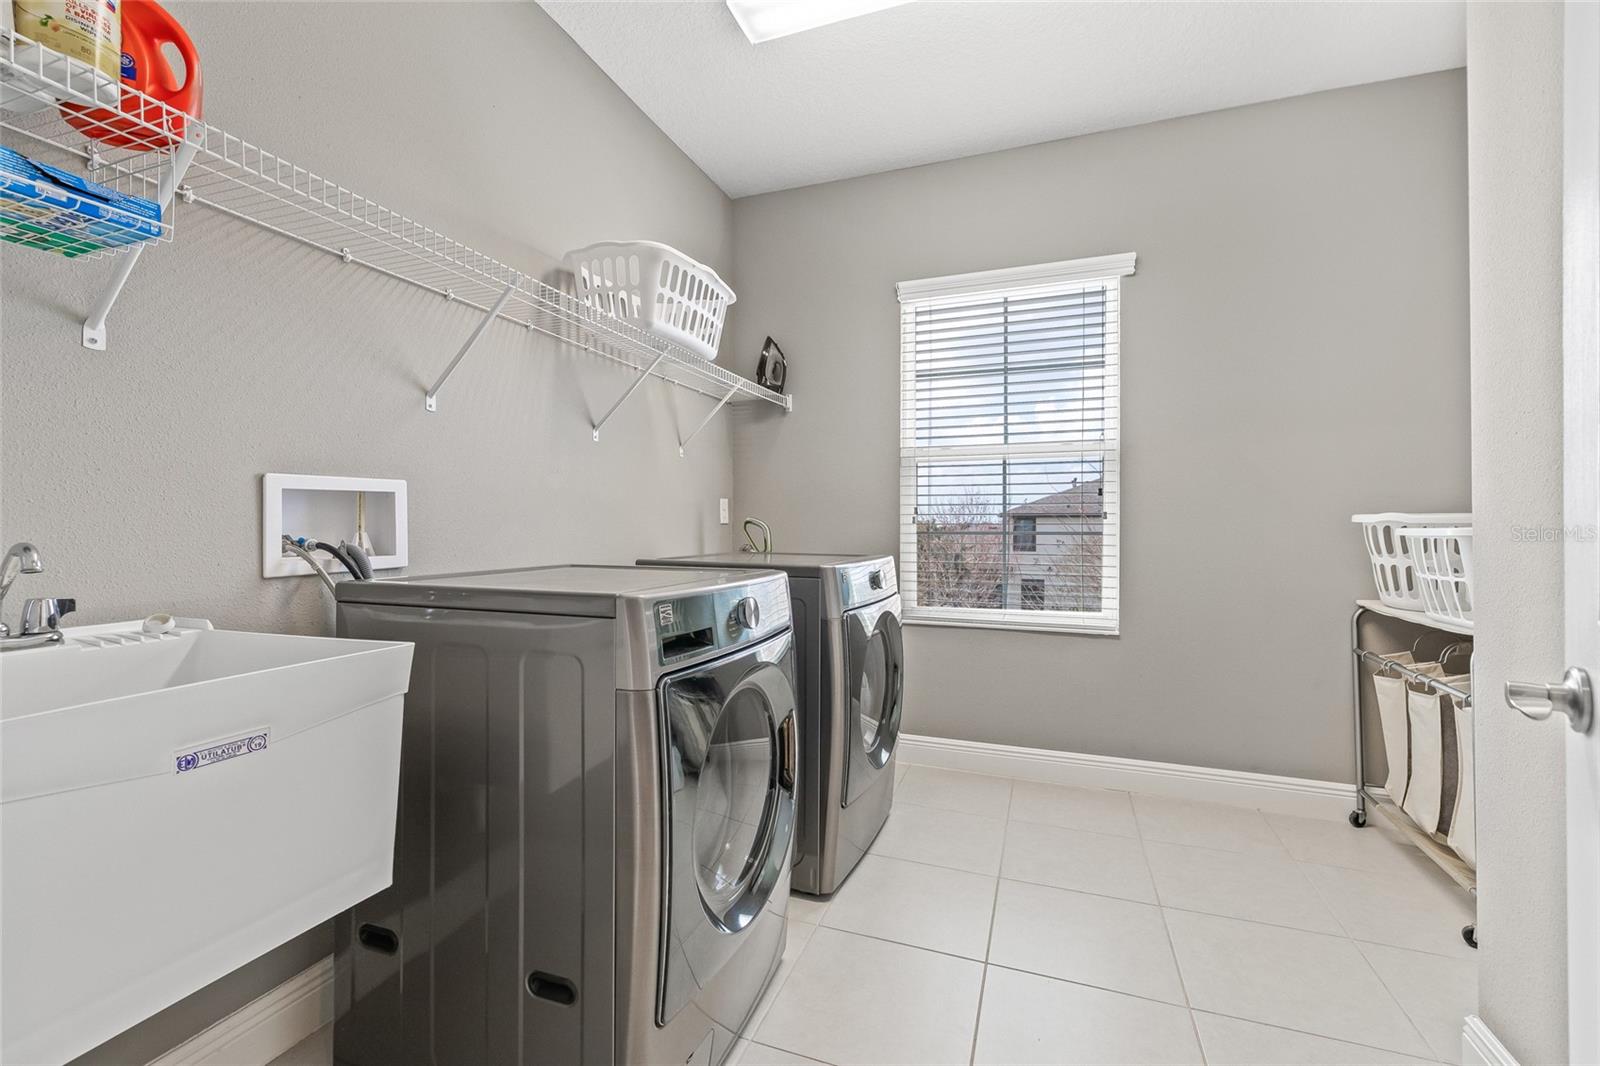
(849, 664)
(596, 817)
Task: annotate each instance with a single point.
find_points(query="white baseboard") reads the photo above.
(264, 1028)
(1266, 792)
(1480, 1047)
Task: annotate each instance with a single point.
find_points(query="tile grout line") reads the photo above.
(1322, 897)
(1307, 1032)
(1471, 960)
(1009, 817)
(1144, 853)
(1396, 1000)
(1205, 1010)
(778, 987)
(1000, 966)
(988, 941)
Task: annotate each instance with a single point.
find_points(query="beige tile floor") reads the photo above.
(999, 921)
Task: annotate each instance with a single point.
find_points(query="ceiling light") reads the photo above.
(766, 20)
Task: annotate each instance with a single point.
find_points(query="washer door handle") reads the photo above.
(788, 754)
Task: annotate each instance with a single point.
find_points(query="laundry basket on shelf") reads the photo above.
(1392, 567)
(1442, 556)
(656, 288)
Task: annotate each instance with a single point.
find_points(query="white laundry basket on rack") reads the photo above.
(1392, 567)
(656, 288)
(1443, 560)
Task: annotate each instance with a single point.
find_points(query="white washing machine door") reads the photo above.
(730, 753)
(874, 691)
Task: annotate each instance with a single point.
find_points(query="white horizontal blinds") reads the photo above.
(1009, 446)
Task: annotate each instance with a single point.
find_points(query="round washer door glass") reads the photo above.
(728, 773)
(879, 686)
(734, 802)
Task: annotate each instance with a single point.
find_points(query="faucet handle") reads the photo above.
(40, 615)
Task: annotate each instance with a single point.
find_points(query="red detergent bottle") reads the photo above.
(142, 125)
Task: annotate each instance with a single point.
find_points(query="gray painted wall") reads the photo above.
(1302, 281)
(235, 352)
(1514, 182)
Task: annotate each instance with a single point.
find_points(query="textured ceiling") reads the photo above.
(938, 80)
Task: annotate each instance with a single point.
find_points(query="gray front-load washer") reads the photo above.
(596, 817)
(849, 664)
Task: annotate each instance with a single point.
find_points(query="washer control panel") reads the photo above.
(867, 582)
(693, 625)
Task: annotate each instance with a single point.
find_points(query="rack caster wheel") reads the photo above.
(1358, 819)
(1469, 933)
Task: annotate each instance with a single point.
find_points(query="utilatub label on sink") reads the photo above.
(216, 751)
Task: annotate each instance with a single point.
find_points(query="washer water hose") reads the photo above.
(293, 547)
(358, 556)
(339, 554)
(352, 558)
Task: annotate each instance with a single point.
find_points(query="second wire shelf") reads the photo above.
(164, 154)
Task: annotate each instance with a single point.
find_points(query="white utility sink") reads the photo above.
(174, 805)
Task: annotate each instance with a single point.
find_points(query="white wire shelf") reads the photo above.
(160, 153)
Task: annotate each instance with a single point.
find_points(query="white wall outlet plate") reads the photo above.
(324, 508)
(722, 510)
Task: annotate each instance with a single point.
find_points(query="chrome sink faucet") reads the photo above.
(41, 618)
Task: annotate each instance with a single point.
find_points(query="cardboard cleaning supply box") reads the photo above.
(45, 207)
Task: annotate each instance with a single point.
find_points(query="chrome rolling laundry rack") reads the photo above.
(1369, 796)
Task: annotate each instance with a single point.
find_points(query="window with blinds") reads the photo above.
(1009, 430)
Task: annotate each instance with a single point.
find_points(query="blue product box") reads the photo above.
(36, 196)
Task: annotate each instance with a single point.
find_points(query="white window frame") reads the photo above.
(1110, 269)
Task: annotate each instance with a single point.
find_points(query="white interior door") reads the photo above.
(1581, 314)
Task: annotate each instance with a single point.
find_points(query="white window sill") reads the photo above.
(1060, 628)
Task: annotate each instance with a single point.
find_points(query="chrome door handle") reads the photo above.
(1573, 697)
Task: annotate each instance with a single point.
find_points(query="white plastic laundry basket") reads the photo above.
(656, 288)
(1443, 560)
(1391, 561)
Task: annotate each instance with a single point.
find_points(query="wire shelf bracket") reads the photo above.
(684, 443)
(430, 400)
(151, 149)
(94, 327)
(640, 380)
